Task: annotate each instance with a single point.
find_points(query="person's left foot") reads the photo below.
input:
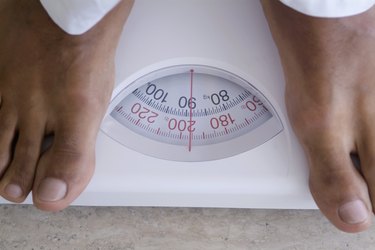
(52, 83)
(330, 97)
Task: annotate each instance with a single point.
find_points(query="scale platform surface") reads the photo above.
(197, 118)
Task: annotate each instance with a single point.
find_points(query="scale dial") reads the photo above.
(191, 113)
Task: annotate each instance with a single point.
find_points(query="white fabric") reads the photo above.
(77, 16)
(329, 8)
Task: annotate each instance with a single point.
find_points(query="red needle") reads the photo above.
(191, 109)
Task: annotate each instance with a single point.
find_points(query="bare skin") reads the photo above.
(330, 96)
(55, 84)
(52, 83)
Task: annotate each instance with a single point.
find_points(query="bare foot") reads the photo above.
(52, 83)
(329, 65)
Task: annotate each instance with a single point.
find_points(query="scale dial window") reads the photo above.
(191, 113)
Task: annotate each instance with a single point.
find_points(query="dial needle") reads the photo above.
(191, 109)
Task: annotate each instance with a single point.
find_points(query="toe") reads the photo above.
(65, 168)
(338, 189)
(366, 151)
(19, 176)
(7, 134)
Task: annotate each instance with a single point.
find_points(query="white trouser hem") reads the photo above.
(330, 8)
(77, 16)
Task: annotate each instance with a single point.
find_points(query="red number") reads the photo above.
(190, 127)
(144, 113)
(214, 123)
(223, 120)
(251, 105)
(181, 125)
(152, 118)
(136, 108)
(256, 100)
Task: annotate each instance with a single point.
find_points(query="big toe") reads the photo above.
(65, 168)
(339, 189)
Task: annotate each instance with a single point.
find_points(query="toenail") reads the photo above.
(52, 189)
(13, 190)
(353, 212)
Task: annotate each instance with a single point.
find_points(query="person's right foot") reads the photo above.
(52, 83)
(329, 66)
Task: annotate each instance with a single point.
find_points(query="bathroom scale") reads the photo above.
(197, 117)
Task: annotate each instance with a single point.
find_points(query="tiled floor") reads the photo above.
(24, 227)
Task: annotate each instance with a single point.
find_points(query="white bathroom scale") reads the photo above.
(197, 118)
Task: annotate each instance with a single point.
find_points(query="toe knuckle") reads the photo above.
(6, 125)
(331, 178)
(69, 149)
(26, 153)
